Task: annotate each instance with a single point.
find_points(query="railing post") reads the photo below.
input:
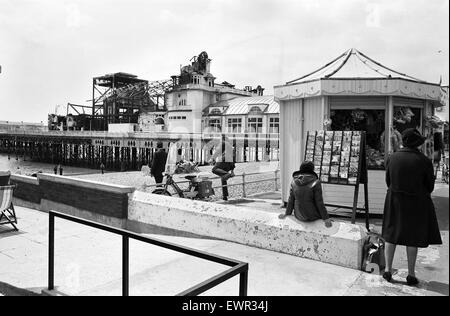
(125, 266)
(243, 283)
(276, 180)
(51, 251)
(243, 185)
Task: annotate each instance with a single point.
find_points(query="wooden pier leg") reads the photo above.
(257, 148)
(117, 158)
(234, 148)
(245, 147)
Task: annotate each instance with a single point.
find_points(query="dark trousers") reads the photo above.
(159, 179)
(222, 174)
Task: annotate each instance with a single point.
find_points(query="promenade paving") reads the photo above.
(88, 262)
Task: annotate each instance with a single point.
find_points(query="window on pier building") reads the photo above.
(255, 110)
(215, 112)
(255, 125)
(234, 125)
(274, 125)
(215, 125)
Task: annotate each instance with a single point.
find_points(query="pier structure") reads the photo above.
(129, 151)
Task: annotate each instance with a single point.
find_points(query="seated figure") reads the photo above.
(305, 199)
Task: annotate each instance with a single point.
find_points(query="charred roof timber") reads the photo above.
(117, 80)
(120, 97)
(191, 74)
(258, 91)
(200, 63)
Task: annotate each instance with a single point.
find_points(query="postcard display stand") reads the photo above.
(340, 159)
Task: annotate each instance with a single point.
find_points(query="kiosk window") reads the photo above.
(370, 121)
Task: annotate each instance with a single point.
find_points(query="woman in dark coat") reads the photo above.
(409, 214)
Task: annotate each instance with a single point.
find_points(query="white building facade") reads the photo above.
(197, 104)
(243, 115)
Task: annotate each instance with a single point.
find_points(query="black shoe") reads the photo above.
(411, 281)
(387, 276)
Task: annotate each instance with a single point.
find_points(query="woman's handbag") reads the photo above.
(373, 259)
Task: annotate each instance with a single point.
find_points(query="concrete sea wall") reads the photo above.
(123, 207)
(340, 245)
(104, 203)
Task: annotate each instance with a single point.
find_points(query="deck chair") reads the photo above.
(7, 212)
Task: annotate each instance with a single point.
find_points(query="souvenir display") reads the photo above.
(339, 158)
(326, 160)
(336, 155)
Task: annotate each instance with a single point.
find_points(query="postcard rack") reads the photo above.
(340, 159)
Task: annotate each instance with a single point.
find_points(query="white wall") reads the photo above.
(294, 125)
(121, 128)
(290, 145)
(180, 126)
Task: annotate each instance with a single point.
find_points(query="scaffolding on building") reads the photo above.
(120, 98)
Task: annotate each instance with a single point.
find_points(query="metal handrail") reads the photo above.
(235, 184)
(238, 267)
(243, 183)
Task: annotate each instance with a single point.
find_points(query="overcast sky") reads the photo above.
(51, 49)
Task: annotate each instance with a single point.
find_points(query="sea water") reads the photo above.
(27, 167)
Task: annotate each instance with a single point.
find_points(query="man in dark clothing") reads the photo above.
(409, 215)
(305, 199)
(159, 164)
(225, 170)
(224, 165)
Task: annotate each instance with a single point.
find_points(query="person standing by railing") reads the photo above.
(223, 164)
(159, 163)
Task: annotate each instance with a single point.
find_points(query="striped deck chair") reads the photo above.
(7, 212)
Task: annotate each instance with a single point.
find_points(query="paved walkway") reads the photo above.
(88, 262)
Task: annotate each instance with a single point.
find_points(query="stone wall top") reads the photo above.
(87, 183)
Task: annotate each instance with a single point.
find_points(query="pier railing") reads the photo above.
(237, 267)
(129, 151)
(138, 135)
(244, 182)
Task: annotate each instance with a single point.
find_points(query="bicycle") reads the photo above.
(197, 189)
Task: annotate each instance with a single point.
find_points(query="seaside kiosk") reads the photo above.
(353, 93)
